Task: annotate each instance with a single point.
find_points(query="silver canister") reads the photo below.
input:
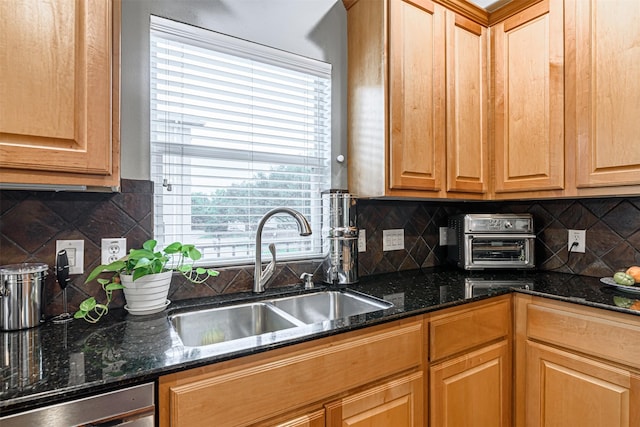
(341, 237)
(21, 295)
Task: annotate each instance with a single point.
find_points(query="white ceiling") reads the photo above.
(489, 5)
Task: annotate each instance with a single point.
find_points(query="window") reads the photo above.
(237, 129)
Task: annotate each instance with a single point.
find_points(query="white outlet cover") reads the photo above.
(75, 253)
(113, 249)
(579, 236)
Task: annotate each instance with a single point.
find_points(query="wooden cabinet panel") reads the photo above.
(397, 403)
(468, 328)
(575, 365)
(529, 93)
(566, 389)
(607, 58)
(587, 332)
(312, 419)
(367, 112)
(417, 95)
(473, 389)
(287, 380)
(467, 113)
(410, 66)
(396, 99)
(59, 77)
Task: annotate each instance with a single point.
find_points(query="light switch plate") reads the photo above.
(362, 240)
(393, 240)
(444, 234)
(75, 253)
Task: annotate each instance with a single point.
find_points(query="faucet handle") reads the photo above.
(272, 249)
(306, 278)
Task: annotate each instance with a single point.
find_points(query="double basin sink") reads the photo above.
(223, 324)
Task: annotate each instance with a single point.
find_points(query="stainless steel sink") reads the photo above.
(329, 305)
(216, 325)
(211, 326)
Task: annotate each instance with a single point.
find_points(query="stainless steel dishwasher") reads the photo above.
(132, 407)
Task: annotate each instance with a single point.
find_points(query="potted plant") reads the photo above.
(144, 275)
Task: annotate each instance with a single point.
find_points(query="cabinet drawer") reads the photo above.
(292, 380)
(468, 328)
(589, 332)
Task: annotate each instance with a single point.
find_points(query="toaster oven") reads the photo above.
(485, 241)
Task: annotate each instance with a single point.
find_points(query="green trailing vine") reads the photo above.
(139, 263)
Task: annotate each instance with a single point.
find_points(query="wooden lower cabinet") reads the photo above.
(308, 419)
(473, 389)
(575, 365)
(565, 389)
(290, 385)
(397, 402)
(470, 376)
(550, 364)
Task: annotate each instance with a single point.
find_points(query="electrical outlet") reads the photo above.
(393, 240)
(579, 236)
(113, 249)
(362, 240)
(444, 236)
(75, 253)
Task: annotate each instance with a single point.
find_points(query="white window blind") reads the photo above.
(237, 129)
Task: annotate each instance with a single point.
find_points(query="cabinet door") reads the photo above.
(529, 93)
(417, 95)
(56, 91)
(607, 92)
(473, 389)
(564, 389)
(396, 403)
(467, 98)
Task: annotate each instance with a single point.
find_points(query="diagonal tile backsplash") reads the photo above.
(612, 228)
(31, 222)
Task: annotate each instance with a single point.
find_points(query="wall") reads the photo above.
(31, 222)
(313, 28)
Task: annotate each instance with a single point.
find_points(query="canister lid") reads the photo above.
(25, 267)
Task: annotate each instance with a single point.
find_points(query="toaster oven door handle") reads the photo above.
(500, 236)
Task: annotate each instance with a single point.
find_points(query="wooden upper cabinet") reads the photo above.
(528, 53)
(607, 67)
(59, 86)
(396, 98)
(467, 99)
(367, 112)
(417, 95)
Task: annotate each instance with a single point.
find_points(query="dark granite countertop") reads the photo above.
(56, 362)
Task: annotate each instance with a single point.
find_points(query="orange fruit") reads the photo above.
(634, 271)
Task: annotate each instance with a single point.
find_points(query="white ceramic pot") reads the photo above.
(146, 294)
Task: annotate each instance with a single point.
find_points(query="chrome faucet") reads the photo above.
(260, 278)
